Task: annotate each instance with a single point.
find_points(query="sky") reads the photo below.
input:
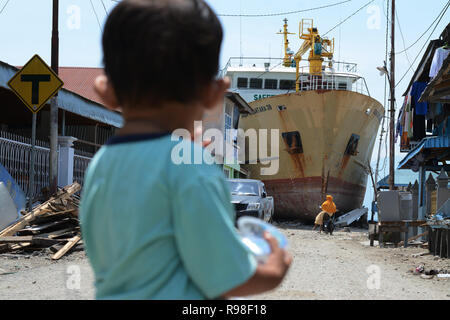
(25, 29)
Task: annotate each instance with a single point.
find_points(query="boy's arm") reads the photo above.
(210, 249)
(268, 275)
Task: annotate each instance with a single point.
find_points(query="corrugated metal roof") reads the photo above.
(426, 143)
(71, 97)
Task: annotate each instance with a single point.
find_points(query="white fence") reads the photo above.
(15, 155)
(80, 164)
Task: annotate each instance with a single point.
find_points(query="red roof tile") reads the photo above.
(80, 80)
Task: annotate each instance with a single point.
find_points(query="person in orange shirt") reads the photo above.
(327, 207)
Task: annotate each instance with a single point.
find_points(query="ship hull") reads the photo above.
(300, 198)
(325, 122)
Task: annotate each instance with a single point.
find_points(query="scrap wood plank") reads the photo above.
(69, 245)
(21, 245)
(59, 233)
(60, 212)
(39, 210)
(414, 238)
(31, 239)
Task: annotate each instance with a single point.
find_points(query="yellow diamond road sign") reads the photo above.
(35, 83)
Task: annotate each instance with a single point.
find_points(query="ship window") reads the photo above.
(293, 142)
(352, 145)
(270, 84)
(342, 86)
(256, 83)
(242, 82)
(287, 84)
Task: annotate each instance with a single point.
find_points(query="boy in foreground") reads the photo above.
(154, 229)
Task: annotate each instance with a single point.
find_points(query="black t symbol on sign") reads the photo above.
(35, 79)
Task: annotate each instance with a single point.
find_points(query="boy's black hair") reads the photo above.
(161, 50)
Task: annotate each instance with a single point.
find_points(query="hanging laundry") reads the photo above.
(439, 56)
(420, 108)
(409, 118)
(400, 123)
(418, 127)
(430, 125)
(447, 127)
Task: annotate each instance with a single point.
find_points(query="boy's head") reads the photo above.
(160, 51)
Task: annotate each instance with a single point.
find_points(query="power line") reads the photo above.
(104, 7)
(377, 169)
(275, 14)
(424, 31)
(4, 6)
(95, 13)
(280, 13)
(348, 17)
(403, 39)
(426, 41)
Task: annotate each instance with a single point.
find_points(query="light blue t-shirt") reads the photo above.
(157, 230)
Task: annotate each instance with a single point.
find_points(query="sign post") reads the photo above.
(33, 151)
(34, 85)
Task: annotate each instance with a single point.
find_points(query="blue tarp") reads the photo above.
(14, 189)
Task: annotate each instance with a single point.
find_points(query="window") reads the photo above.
(236, 115)
(263, 190)
(242, 82)
(270, 84)
(293, 141)
(256, 83)
(287, 84)
(352, 145)
(228, 127)
(342, 86)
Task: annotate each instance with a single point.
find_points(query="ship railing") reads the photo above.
(259, 62)
(272, 63)
(333, 81)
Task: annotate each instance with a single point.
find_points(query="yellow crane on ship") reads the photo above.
(319, 47)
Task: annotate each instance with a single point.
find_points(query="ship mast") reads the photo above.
(287, 52)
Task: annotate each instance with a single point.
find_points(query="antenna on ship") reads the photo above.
(240, 33)
(287, 61)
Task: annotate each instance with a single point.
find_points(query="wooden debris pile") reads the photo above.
(53, 224)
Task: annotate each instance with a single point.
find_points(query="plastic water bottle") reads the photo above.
(252, 232)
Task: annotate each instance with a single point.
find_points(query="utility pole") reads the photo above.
(392, 99)
(53, 103)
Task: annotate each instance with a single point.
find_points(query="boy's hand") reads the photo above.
(279, 259)
(268, 275)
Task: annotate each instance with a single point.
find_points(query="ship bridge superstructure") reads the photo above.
(256, 78)
(259, 77)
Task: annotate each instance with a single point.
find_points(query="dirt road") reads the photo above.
(324, 267)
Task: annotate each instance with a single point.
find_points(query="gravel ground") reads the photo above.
(324, 267)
